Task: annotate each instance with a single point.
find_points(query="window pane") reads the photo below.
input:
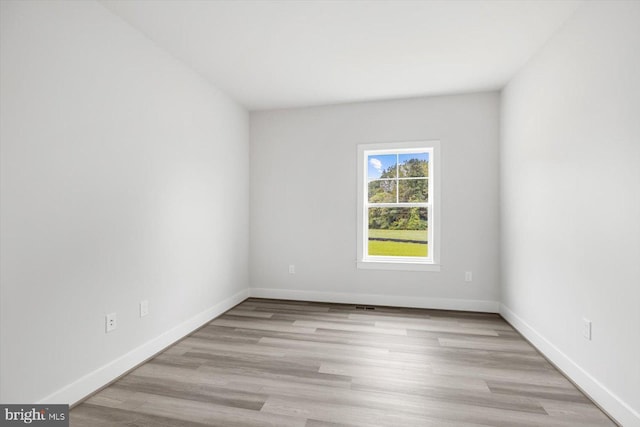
(398, 232)
(414, 165)
(413, 190)
(382, 191)
(381, 166)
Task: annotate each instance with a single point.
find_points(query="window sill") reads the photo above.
(398, 266)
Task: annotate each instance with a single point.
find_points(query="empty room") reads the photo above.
(320, 213)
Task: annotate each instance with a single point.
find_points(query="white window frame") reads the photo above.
(432, 261)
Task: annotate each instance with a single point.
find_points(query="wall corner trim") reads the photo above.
(610, 403)
(375, 299)
(93, 381)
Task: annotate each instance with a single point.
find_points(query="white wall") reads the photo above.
(303, 201)
(124, 177)
(570, 177)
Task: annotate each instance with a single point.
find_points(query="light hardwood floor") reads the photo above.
(286, 363)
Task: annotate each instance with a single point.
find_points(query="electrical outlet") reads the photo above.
(586, 329)
(111, 322)
(468, 276)
(292, 269)
(144, 308)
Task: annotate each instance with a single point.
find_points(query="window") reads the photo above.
(398, 205)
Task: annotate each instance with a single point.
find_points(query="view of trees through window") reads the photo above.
(398, 196)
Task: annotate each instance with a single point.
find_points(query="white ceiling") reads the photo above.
(270, 54)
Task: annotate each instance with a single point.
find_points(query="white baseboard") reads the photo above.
(619, 410)
(90, 383)
(373, 299)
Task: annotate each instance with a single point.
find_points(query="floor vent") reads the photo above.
(365, 307)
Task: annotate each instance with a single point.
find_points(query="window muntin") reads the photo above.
(396, 217)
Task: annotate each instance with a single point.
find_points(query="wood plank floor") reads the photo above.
(286, 363)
